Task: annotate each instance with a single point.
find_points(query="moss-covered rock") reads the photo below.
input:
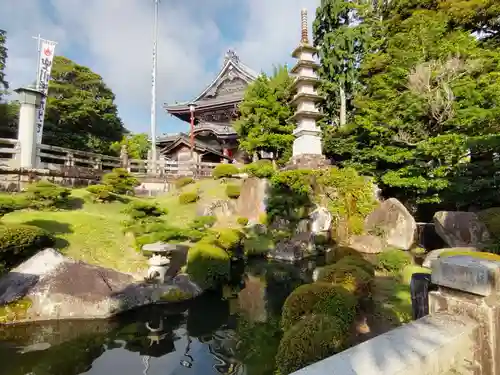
(393, 260)
(257, 245)
(350, 276)
(208, 265)
(15, 311)
(474, 254)
(345, 251)
(310, 340)
(409, 270)
(319, 298)
(176, 295)
(360, 262)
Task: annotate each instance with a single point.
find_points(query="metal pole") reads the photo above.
(191, 135)
(153, 91)
(39, 42)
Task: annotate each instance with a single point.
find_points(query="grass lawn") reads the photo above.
(92, 233)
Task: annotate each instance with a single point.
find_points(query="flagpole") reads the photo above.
(153, 91)
(39, 42)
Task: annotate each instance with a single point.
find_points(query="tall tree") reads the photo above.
(81, 111)
(137, 145)
(341, 40)
(264, 124)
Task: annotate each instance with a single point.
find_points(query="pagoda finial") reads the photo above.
(231, 55)
(305, 34)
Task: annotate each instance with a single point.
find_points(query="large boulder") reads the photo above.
(252, 201)
(298, 247)
(321, 220)
(393, 223)
(367, 244)
(218, 208)
(59, 287)
(461, 229)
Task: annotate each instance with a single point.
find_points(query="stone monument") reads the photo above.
(307, 151)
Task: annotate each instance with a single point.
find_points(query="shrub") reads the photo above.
(18, 242)
(208, 265)
(203, 222)
(44, 195)
(183, 181)
(260, 169)
(10, 204)
(359, 262)
(101, 193)
(142, 210)
(120, 181)
(353, 278)
(228, 239)
(224, 170)
(393, 260)
(188, 197)
(257, 245)
(310, 340)
(233, 191)
(341, 252)
(243, 221)
(319, 298)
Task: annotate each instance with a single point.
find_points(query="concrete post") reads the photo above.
(29, 99)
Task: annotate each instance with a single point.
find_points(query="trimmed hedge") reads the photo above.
(11, 204)
(225, 170)
(393, 260)
(319, 298)
(188, 197)
(312, 339)
(360, 262)
(208, 265)
(101, 193)
(183, 181)
(260, 169)
(18, 242)
(120, 181)
(226, 238)
(353, 278)
(142, 210)
(233, 191)
(203, 222)
(46, 195)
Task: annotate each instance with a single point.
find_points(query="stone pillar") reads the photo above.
(29, 99)
(470, 286)
(124, 158)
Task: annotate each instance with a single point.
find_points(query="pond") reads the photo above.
(231, 331)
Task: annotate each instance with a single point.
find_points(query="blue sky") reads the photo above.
(114, 38)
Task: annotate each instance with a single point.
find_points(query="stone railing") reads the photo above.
(53, 157)
(9, 149)
(461, 335)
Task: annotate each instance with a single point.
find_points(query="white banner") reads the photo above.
(45, 61)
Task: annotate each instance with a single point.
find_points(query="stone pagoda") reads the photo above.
(307, 151)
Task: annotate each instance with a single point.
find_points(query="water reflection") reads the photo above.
(233, 333)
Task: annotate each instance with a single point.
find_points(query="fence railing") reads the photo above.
(57, 158)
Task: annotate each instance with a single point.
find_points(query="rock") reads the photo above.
(461, 229)
(303, 226)
(63, 288)
(252, 201)
(392, 221)
(431, 256)
(291, 250)
(428, 238)
(217, 208)
(159, 247)
(367, 244)
(321, 220)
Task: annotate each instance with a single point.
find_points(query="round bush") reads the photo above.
(243, 221)
(45, 195)
(353, 278)
(319, 298)
(227, 238)
(359, 262)
(183, 181)
(312, 339)
(188, 197)
(142, 209)
(101, 193)
(203, 222)
(120, 181)
(257, 245)
(233, 191)
(344, 251)
(393, 260)
(208, 265)
(10, 204)
(225, 170)
(260, 169)
(18, 242)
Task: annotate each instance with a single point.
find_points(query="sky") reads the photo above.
(115, 39)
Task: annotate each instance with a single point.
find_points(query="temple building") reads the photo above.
(214, 109)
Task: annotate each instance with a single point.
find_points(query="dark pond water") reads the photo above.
(232, 331)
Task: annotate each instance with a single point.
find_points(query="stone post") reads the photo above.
(124, 158)
(29, 99)
(470, 286)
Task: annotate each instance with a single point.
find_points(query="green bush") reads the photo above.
(257, 245)
(393, 260)
(319, 298)
(101, 193)
(353, 278)
(18, 242)
(341, 252)
(208, 265)
(188, 197)
(225, 170)
(142, 210)
(260, 169)
(359, 262)
(11, 204)
(45, 195)
(120, 181)
(183, 181)
(243, 221)
(227, 238)
(233, 191)
(203, 222)
(312, 339)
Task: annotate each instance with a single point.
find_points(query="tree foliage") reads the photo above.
(137, 145)
(264, 112)
(81, 112)
(426, 120)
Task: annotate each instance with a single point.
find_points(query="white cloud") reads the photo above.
(118, 37)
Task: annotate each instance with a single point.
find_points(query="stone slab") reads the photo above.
(159, 247)
(428, 346)
(467, 274)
